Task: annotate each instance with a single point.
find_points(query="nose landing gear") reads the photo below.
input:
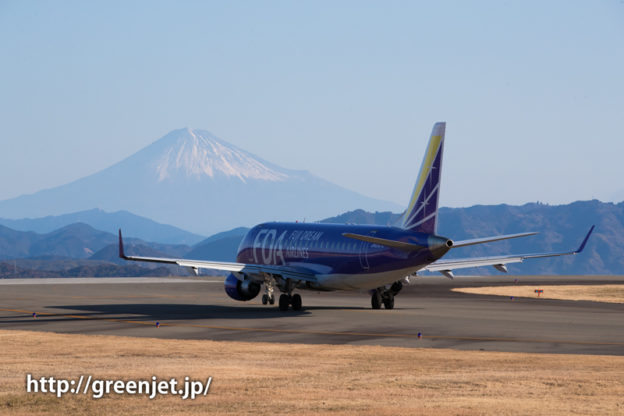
(269, 288)
(270, 299)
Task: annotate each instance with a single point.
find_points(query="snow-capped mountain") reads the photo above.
(197, 153)
(196, 181)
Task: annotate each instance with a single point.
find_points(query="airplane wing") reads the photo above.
(253, 270)
(446, 267)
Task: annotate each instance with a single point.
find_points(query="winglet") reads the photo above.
(122, 255)
(585, 240)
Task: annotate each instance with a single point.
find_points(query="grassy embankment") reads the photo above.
(597, 293)
(263, 378)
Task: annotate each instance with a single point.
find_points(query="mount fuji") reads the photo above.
(193, 180)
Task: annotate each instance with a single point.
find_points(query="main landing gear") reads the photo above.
(378, 297)
(286, 300)
(385, 296)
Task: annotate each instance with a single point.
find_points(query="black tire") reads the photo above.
(376, 300)
(296, 302)
(284, 302)
(265, 299)
(389, 302)
(396, 287)
(272, 299)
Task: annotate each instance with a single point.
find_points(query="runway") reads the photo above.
(200, 309)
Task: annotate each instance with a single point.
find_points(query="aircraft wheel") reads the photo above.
(389, 302)
(376, 300)
(272, 300)
(284, 301)
(296, 302)
(265, 299)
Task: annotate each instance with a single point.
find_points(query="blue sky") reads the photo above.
(533, 92)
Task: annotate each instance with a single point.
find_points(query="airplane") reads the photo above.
(327, 257)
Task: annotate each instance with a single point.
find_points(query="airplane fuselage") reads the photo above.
(340, 262)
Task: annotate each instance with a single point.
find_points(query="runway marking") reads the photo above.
(136, 297)
(335, 333)
(102, 280)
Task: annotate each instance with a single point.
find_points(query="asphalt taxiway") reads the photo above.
(200, 309)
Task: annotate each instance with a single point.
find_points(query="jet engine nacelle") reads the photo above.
(241, 289)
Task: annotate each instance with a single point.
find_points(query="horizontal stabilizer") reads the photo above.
(384, 242)
(472, 242)
(499, 262)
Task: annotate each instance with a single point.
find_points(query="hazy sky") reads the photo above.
(532, 91)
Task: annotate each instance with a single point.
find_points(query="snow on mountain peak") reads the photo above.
(197, 153)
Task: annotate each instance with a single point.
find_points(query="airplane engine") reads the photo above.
(241, 289)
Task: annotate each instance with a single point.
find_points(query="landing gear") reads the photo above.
(376, 300)
(385, 296)
(285, 301)
(269, 287)
(268, 299)
(388, 301)
(295, 301)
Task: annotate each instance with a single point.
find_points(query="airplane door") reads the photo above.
(364, 255)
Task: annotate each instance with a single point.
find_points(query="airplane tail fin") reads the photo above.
(422, 212)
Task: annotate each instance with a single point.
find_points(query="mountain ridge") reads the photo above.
(134, 226)
(195, 181)
(561, 228)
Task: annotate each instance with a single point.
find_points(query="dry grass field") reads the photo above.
(263, 379)
(597, 293)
